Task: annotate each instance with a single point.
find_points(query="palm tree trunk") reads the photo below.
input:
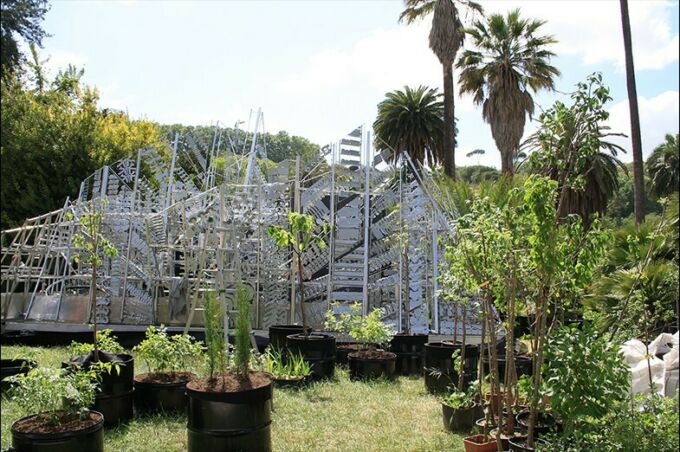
(507, 164)
(638, 178)
(449, 132)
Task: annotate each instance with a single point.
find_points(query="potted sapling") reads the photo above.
(59, 400)
(167, 360)
(318, 349)
(460, 410)
(114, 397)
(15, 366)
(291, 372)
(229, 410)
(91, 248)
(371, 332)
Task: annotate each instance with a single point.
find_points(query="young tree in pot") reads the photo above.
(461, 409)
(229, 410)
(318, 349)
(167, 360)
(370, 331)
(60, 400)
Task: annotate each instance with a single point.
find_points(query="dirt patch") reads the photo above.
(39, 423)
(373, 354)
(230, 383)
(165, 377)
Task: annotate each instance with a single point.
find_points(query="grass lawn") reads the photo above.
(340, 415)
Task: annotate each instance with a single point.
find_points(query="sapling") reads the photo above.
(368, 330)
(299, 237)
(163, 353)
(93, 247)
(214, 335)
(242, 349)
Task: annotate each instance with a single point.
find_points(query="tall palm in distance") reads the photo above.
(410, 121)
(509, 63)
(663, 167)
(446, 38)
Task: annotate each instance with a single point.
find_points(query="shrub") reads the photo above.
(163, 353)
(242, 349)
(368, 329)
(106, 341)
(214, 334)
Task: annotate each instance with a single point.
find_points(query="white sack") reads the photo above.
(639, 383)
(633, 351)
(662, 344)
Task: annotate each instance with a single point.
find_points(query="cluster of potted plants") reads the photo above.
(370, 332)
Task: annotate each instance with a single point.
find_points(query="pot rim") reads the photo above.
(58, 435)
(353, 357)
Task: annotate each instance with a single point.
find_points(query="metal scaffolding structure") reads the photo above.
(194, 217)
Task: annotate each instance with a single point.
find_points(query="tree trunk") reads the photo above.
(638, 177)
(507, 164)
(301, 284)
(448, 147)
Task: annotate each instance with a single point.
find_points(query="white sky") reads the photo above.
(319, 68)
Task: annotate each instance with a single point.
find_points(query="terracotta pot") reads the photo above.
(476, 443)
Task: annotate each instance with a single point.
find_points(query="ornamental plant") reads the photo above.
(105, 340)
(214, 335)
(462, 400)
(242, 346)
(164, 353)
(294, 366)
(91, 247)
(299, 236)
(58, 395)
(368, 330)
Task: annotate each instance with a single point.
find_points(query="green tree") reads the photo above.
(19, 19)
(411, 121)
(446, 37)
(510, 62)
(663, 167)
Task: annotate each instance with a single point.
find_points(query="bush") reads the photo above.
(163, 353)
(105, 339)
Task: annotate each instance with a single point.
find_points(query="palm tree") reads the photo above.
(663, 167)
(446, 37)
(411, 121)
(509, 63)
(638, 177)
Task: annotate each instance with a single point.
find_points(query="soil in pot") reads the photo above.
(410, 351)
(343, 351)
(371, 364)
(11, 367)
(460, 419)
(318, 350)
(439, 373)
(161, 391)
(230, 413)
(35, 434)
(278, 334)
(476, 443)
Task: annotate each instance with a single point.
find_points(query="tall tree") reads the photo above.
(638, 176)
(663, 167)
(446, 37)
(411, 121)
(19, 18)
(509, 63)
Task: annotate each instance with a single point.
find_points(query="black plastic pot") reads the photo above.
(519, 444)
(278, 334)
(523, 366)
(151, 397)
(297, 382)
(90, 439)
(115, 396)
(318, 350)
(236, 421)
(545, 423)
(362, 368)
(11, 367)
(439, 372)
(460, 419)
(410, 351)
(343, 350)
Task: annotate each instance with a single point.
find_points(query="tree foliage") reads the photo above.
(19, 19)
(663, 167)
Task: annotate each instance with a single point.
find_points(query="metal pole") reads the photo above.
(331, 244)
(251, 155)
(293, 263)
(367, 216)
(435, 272)
(129, 240)
(401, 257)
(168, 200)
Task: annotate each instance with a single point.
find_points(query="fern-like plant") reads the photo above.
(242, 350)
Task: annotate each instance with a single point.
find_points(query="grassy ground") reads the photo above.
(339, 415)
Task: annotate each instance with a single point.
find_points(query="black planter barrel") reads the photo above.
(410, 351)
(460, 419)
(523, 366)
(439, 372)
(318, 350)
(343, 350)
(361, 368)
(152, 396)
(279, 333)
(115, 398)
(11, 367)
(90, 439)
(237, 421)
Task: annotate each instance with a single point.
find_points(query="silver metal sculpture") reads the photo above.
(185, 221)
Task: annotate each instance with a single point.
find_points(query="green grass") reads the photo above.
(339, 415)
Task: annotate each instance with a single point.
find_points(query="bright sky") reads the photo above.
(319, 68)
